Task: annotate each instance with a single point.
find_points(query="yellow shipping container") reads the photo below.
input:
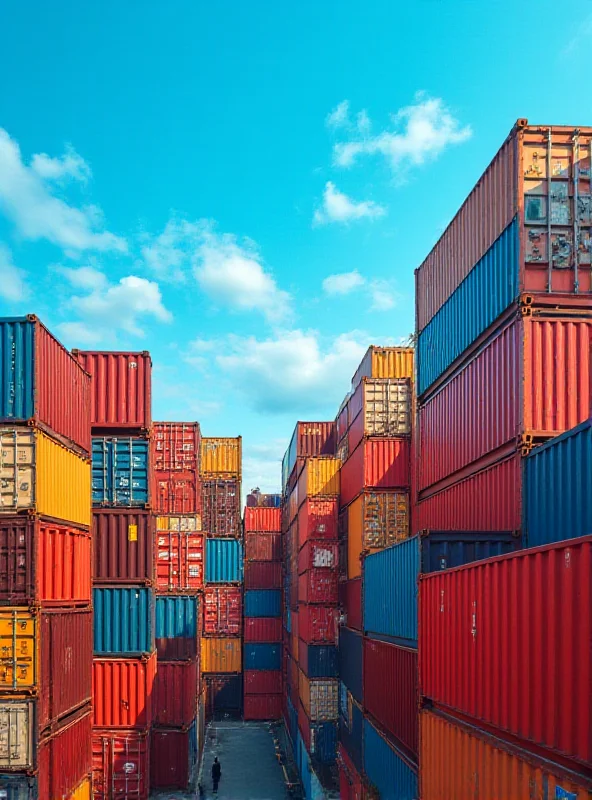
(18, 650)
(221, 655)
(375, 520)
(385, 362)
(319, 478)
(222, 455)
(82, 791)
(40, 475)
(189, 523)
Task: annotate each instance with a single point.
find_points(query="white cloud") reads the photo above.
(420, 132)
(363, 122)
(582, 35)
(383, 295)
(78, 334)
(168, 255)
(83, 277)
(262, 465)
(70, 165)
(343, 283)
(339, 117)
(338, 207)
(27, 200)
(12, 283)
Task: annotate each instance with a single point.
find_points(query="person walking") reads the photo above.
(216, 775)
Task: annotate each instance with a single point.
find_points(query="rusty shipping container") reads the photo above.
(221, 457)
(385, 362)
(176, 687)
(221, 507)
(121, 389)
(375, 520)
(262, 629)
(319, 698)
(222, 611)
(379, 407)
(377, 464)
(317, 624)
(122, 546)
(260, 519)
(318, 586)
(122, 692)
(317, 519)
(318, 555)
(263, 575)
(486, 630)
(176, 492)
(220, 655)
(263, 546)
(121, 764)
(180, 550)
(309, 439)
(176, 446)
(44, 563)
(319, 478)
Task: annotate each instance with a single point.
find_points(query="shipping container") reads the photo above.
(317, 624)
(262, 629)
(445, 549)
(320, 698)
(263, 575)
(122, 692)
(319, 478)
(390, 692)
(176, 627)
(224, 561)
(320, 738)
(385, 362)
(375, 520)
(351, 727)
(262, 707)
(390, 606)
(317, 519)
(261, 681)
(176, 492)
(122, 547)
(262, 519)
(534, 164)
(263, 603)
(387, 771)
(43, 563)
(121, 388)
(350, 780)
(224, 693)
(309, 439)
(377, 464)
(318, 586)
(123, 620)
(179, 555)
(175, 446)
(222, 610)
(350, 600)
(263, 656)
(557, 480)
(318, 660)
(350, 661)
(120, 471)
(83, 791)
(256, 499)
(40, 476)
(263, 547)
(221, 507)
(487, 629)
(459, 761)
(177, 755)
(318, 555)
(221, 456)
(174, 699)
(379, 408)
(121, 765)
(222, 654)
(42, 384)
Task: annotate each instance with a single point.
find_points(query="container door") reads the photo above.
(17, 469)
(130, 474)
(17, 651)
(127, 775)
(102, 482)
(16, 735)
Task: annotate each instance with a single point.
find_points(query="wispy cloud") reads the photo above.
(338, 207)
(12, 279)
(381, 292)
(582, 36)
(343, 282)
(70, 165)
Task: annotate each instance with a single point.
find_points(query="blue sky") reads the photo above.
(245, 189)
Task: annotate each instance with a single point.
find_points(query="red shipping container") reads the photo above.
(65, 757)
(263, 547)
(172, 768)
(122, 692)
(317, 624)
(506, 642)
(176, 492)
(176, 688)
(310, 439)
(121, 388)
(43, 563)
(122, 550)
(121, 765)
(376, 464)
(262, 707)
(321, 554)
(318, 586)
(222, 610)
(262, 629)
(221, 507)
(317, 519)
(259, 520)
(350, 599)
(263, 574)
(390, 691)
(175, 446)
(179, 557)
(295, 622)
(351, 786)
(263, 681)
(179, 648)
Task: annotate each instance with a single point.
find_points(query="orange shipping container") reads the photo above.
(122, 692)
(221, 655)
(385, 362)
(221, 455)
(319, 478)
(375, 520)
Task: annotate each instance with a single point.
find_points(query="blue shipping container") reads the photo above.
(323, 742)
(18, 787)
(350, 661)
(123, 621)
(448, 549)
(386, 768)
(318, 660)
(558, 488)
(292, 722)
(390, 593)
(17, 369)
(263, 603)
(489, 288)
(351, 731)
(120, 471)
(176, 617)
(224, 561)
(262, 656)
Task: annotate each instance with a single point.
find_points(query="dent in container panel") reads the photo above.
(221, 456)
(376, 464)
(122, 546)
(385, 362)
(176, 492)
(175, 446)
(121, 765)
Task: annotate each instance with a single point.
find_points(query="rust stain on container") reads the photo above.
(175, 446)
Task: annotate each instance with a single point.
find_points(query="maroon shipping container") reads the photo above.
(376, 464)
(317, 519)
(65, 757)
(262, 707)
(318, 586)
(176, 492)
(316, 624)
(498, 488)
(122, 547)
(262, 629)
(318, 555)
(176, 688)
(390, 691)
(179, 648)
(258, 520)
(122, 692)
(295, 623)
(121, 765)
(179, 557)
(263, 575)
(221, 507)
(222, 610)
(175, 446)
(506, 642)
(304, 725)
(121, 388)
(350, 599)
(263, 681)
(171, 769)
(263, 547)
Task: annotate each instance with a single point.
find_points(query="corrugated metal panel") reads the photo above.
(262, 519)
(557, 496)
(175, 446)
(375, 520)
(224, 692)
(177, 753)
(259, 681)
(317, 519)
(317, 624)
(351, 728)
(350, 598)
(380, 408)
(319, 697)
(263, 603)
(350, 780)
(390, 606)
(262, 707)
(121, 765)
(447, 549)
(176, 492)
(318, 660)
(83, 791)
(176, 617)
(317, 555)
(262, 656)
(376, 464)
(459, 761)
(350, 661)
(122, 692)
(323, 742)
(179, 555)
(121, 388)
(123, 620)
(220, 501)
(488, 628)
(222, 610)
(224, 561)
(120, 471)
(320, 477)
(309, 439)
(318, 586)
(263, 547)
(385, 362)
(263, 575)
(222, 455)
(174, 699)
(386, 768)
(122, 546)
(221, 655)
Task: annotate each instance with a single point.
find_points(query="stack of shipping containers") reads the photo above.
(177, 732)
(262, 632)
(124, 662)
(221, 643)
(45, 567)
